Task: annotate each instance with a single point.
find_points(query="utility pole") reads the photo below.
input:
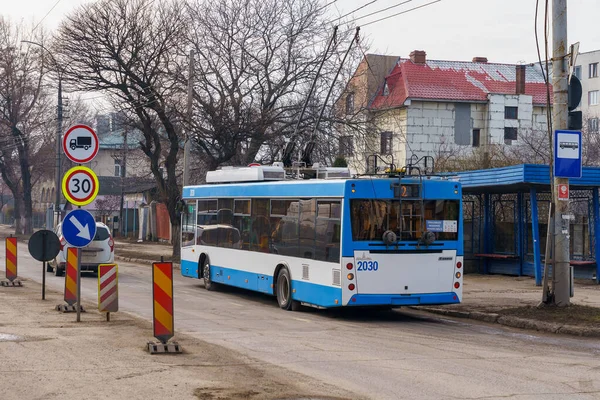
(59, 129)
(559, 116)
(123, 171)
(186, 148)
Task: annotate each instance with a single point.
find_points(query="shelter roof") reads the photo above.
(520, 178)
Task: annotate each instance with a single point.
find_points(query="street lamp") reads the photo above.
(59, 129)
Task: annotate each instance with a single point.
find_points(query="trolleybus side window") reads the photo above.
(306, 229)
(284, 226)
(327, 230)
(260, 232)
(188, 224)
(241, 220)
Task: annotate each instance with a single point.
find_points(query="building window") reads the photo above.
(593, 98)
(593, 125)
(346, 146)
(511, 112)
(577, 71)
(510, 134)
(476, 137)
(350, 104)
(371, 163)
(119, 168)
(386, 142)
(594, 70)
(386, 89)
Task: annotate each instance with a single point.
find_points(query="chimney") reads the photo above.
(520, 81)
(418, 56)
(482, 60)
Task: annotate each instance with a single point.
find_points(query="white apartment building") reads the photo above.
(588, 71)
(434, 107)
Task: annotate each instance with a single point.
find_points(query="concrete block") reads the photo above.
(510, 123)
(420, 138)
(525, 115)
(496, 124)
(430, 106)
(496, 107)
(445, 114)
(415, 112)
(420, 121)
(431, 130)
(412, 129)
(447, 123)
(430, 113)
(525, 124)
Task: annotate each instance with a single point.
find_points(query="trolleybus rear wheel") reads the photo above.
(208, 284)
(284, 291)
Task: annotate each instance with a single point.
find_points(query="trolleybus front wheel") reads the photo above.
(284, 291)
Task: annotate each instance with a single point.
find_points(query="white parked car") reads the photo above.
(100, 251)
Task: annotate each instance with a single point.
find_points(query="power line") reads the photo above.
(402, 12)
(48, 13)
(353, 11)
(383, 9)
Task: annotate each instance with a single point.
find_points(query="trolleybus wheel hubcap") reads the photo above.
(206, 274)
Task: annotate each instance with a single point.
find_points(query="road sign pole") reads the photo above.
(78, 285)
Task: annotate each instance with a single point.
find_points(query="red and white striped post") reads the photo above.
(108, 289)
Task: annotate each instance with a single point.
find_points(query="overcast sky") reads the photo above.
(502, 30)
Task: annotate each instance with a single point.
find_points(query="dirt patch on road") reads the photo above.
(47, 354)
(571, 315)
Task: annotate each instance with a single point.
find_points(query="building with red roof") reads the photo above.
(436, 108)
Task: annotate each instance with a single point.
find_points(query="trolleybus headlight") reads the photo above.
(351, 286)
(458, 264)
(458, 275)
(349, 266)
(456, 285)
(350, 277)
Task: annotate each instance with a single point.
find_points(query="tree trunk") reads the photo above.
(17, 216)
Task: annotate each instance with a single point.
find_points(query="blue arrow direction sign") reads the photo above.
(79, 228)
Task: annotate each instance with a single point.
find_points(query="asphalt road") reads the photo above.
(400, 354)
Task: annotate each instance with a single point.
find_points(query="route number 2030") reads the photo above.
(367, 266)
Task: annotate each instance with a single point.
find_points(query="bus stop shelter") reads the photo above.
(505, 214)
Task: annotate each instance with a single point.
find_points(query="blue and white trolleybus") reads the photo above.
(327, 242)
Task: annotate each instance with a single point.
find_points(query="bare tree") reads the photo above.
(24, 108)
(256, 62)
(125, 48)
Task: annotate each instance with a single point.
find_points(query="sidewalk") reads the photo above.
(143, 253)
(513, 301)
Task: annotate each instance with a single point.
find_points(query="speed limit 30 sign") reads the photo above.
(80, 186)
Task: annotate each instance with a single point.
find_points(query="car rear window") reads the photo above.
(101, 234)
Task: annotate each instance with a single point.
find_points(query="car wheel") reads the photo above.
(208, 283)
(284, 291)
(58, 271)
(49, 267)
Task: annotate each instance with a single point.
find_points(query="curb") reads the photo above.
(516, 322)
(143, 261)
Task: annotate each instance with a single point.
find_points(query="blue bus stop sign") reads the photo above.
(567, 154)
(79, 228)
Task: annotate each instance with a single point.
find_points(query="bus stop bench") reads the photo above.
(577, 263)
(498, 256)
